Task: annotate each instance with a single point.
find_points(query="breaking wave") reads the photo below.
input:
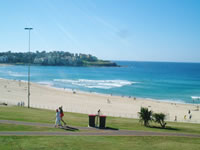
(45, 83)
(16, 74)
(100, 84)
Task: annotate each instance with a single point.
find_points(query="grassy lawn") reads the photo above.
(75, 119)
(13, 127)
(133, 124)
(98, 143)
(90, 142)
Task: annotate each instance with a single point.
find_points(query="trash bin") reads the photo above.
(92, 120)
(102, 121)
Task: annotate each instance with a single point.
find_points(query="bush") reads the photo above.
(145, 116)
(160, 118)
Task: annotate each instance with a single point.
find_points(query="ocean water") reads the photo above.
(163, 81)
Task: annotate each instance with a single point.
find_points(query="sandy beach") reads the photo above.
(13, 92)
(5, 65)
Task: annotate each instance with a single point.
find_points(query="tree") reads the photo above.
(59, 58)
(145, 116)
(160, 118)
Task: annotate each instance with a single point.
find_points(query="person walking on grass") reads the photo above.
(57, 122)
(62, 115)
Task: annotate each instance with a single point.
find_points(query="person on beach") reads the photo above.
(189, 112)
(190, 117)
(57, 122)
(175, 118)
(61, 115)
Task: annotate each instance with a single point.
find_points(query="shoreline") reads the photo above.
(1, 65)
(104, 94)
(48, 97)
(186, 99)
(123, 96)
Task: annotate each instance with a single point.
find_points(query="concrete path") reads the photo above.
(37, 124)
(113, 133)
(93, 132)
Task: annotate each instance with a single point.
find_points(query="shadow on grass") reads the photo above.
(110, 128)
(68, 128)
(107, 128)
(166, 128)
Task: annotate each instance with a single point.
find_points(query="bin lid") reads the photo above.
(91, 115)
(102, 116)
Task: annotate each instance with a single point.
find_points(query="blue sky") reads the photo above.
(141, 30)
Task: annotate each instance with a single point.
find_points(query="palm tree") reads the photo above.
(145, 116)
(160, 118)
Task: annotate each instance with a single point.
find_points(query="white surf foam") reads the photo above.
(46, 83)
(16, 74)
(195, 97)
(101, 84)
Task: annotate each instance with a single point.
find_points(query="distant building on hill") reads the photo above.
(3, 59)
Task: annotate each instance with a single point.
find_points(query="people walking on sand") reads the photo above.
(62, 115)
(57, 122)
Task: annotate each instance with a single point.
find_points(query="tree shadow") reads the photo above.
(166, 128)
(4, 104)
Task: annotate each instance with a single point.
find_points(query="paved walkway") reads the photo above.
(36, 124)
(94, 131)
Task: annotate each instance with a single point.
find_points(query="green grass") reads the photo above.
(133, 124)
(90, 142)
(13, 127)
(40, 115)
(98, 143)
(75, 119)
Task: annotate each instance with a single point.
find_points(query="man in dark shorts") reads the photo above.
(62, 115)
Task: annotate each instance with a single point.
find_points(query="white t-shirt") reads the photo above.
(58, 115)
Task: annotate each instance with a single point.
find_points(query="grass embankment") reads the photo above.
(99, 143)
(75, 119)
(90, 142)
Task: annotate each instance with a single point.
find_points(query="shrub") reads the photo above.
(145, 116)
(160, 118)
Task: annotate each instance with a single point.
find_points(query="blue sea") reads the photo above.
(177, 82)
